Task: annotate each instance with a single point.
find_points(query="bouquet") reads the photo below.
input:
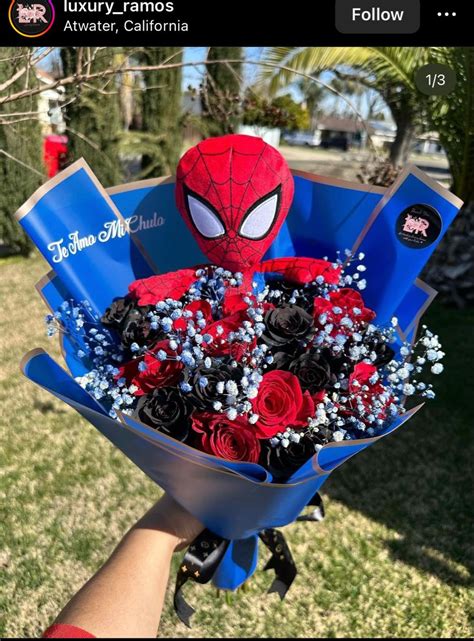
(266, 376)
(240, 383)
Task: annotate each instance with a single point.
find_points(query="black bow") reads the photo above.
(317, 514)
(281, 561)
(207, 551)
(199, 564)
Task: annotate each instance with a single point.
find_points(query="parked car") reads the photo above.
(335, 142)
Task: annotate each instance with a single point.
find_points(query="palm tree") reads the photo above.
(452, 117)
(313, 94)
(451, 270)
(350, 88)
(391, 71)
(388, 70)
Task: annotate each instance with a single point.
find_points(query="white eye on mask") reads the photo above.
(260, 218)
(205, 218)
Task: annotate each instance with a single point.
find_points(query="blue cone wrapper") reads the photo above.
(401, 234)
(98, 242)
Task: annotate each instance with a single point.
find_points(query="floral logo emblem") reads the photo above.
(418, 226)
(31, 19)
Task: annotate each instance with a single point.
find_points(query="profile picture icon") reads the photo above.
(31, 19)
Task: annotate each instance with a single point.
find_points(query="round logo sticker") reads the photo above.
(418, 226)
(31, 18)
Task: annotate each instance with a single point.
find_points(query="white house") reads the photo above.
(49, 104)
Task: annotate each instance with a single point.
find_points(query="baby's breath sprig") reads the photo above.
(95, 346)
(352, 268)
(403, 372)
(92, 342)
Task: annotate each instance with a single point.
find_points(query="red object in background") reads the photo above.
(54, 153)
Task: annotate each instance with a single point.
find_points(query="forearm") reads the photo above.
(125, 597)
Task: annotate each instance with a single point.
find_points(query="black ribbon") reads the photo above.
(199, 564)
(207, 551)
(281, 561)
(318, 513)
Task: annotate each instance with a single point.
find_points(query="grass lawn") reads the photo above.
(392, 558)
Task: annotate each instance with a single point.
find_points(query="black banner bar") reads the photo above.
(239, 23)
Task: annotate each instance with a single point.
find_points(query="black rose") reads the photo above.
(286, 327)
(167, 410)
(305, 299)
(307, 295)
(313, 371)
(208, 384)
(299, 294)
(282, 462)
(131, 322)
(117, 312)
(284, 287)
(325, 433)
(302, 294)
(281, 360)
(338, 364)
(384, 353)
(135, 328)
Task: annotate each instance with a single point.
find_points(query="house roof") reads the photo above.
(333, 123)
(382, 127)
(48, 79)
(45, 76)
(429, 135)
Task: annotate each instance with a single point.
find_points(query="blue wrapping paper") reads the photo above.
(81, 234)
(98, 242)
(234, 500)
(392, 266)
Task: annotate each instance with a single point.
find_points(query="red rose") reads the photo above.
(280, 403)
(221, 345)
(347, 300)
(319, 396)
(149, 291)
(129, 370)
(360, 377)
(233, 303)
(202, 306)
(232, 440)
(303, 270)
(157, 373)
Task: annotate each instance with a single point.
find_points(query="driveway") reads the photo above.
(347, 164)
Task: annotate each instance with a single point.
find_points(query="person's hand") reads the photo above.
(125, 597)
(169, 517)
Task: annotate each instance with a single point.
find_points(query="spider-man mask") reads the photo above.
(234, 193)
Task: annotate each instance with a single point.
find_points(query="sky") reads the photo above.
(196, 54)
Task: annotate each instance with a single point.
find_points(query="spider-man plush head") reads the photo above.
(234, 193)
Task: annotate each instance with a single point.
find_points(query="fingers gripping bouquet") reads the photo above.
(240, 383)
